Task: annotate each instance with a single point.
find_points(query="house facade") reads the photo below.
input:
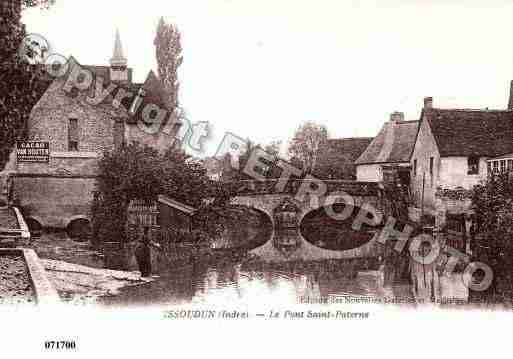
(454, 150)
(390, 150)
(78, 130)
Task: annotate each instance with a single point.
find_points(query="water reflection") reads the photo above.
(255, 282)
(292, 269)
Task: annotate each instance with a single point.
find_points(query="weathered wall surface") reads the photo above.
(54, 193)
(82, 164)
(425, 148)
(49, 121)
(54, 201)
(448, 173)
(370, 173)
(454, 173)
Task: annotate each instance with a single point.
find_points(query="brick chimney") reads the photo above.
(428, 102)
(510, 103)
(396, 116)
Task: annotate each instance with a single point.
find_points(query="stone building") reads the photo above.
(453, 151)
(79, 129)
(391, 149)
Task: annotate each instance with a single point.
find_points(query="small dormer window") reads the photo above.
(473, 165)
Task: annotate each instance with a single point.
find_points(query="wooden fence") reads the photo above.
(142, 214)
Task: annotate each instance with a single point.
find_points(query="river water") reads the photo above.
(251, 280)
(279, 271)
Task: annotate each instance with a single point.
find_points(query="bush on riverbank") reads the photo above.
(136, 172)
(492, 203)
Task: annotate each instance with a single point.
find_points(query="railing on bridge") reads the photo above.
(250, 187)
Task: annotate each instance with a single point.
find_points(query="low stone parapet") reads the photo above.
(45, 293)
(14, 231)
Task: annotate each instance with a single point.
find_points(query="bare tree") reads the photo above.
(307, 141)
(168, 48)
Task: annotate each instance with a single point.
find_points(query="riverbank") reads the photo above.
(77, 271)
(15, 287)
(82, 285)
(8, 218)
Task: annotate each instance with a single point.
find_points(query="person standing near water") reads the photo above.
(143, 254)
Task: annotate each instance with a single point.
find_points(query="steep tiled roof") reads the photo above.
(154, 90)
(154, 94)
(351, 148)
(471, 132)
(394, 143)
(336, 159)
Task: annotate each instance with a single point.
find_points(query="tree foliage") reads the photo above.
(268, 169)
(26, 83)
(492, 203)
(135, 172)
(169, 58)
(306, 144)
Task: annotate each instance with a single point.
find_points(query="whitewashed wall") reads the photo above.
(453, 173)
(370, 173)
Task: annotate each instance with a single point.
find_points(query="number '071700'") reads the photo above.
(60, 345)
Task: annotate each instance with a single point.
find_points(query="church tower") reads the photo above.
(510, 103)
(118, 62)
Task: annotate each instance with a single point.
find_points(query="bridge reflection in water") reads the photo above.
(282, 271)
(288, 212)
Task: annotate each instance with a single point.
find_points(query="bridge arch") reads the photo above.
(265, 200)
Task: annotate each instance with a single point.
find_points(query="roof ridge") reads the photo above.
(472, 110)
(407, 121)
(349, 138)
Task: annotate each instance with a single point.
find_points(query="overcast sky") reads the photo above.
(259, 68)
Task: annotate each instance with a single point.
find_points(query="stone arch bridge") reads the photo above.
(287, 242)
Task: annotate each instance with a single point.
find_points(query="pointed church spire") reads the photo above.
(118, 59)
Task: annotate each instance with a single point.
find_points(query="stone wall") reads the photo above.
(54, 201)
(78, 164)
(57, 192)
(425, 148)
(49, 121)
(448, 173)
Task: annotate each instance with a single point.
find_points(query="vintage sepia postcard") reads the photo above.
(247, 178)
